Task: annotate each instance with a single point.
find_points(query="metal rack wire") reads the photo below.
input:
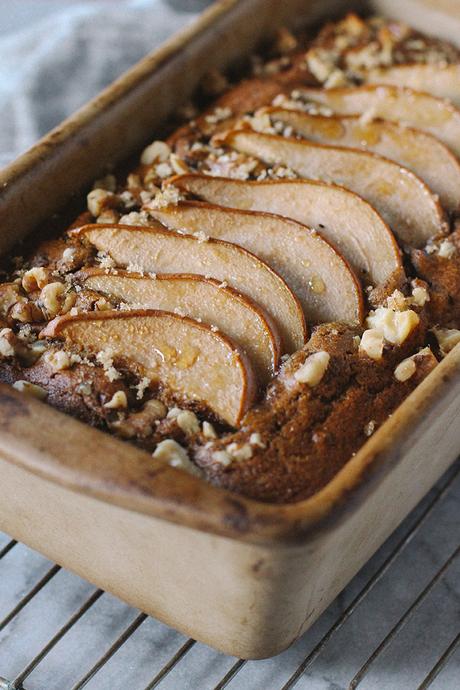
(133, 652)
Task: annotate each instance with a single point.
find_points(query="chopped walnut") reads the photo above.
(188, 422)
(155, 408)
(118, 401)
(397, 301)
(336, 78)
(9, 295)
(163, 170)
(239, 452)
(369, 428)
(405, 369)
(100, 199)
(6, 343)
(313, 369)
(170, 195)
(218, 115)
(446, 249)
(68, 255)
(256, 440)
(371, 344)
(134, 218)
(58, 360)
(56, 299)
(368, 57)
(102, 305)
(447, 339)
(209, 431)
(141, 424)
(395, 326)
(321, 62)
(420, 295)
(26, 312)
(261, 122)
(235, 165)
(133, 181)
(36, 278)
(175, 455)
(156, 152)
(178, 165)
(30, 389)
(173, 413)
(222, 457)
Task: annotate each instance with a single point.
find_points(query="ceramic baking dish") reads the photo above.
(242, 576)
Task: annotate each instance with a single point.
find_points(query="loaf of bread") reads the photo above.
(271, 281)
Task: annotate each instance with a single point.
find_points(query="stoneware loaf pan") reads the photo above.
(245, 577)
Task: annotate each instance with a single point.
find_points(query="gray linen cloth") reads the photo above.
(55, 56)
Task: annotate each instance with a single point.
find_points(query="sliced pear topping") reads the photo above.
(403, 200)
(200, 298)
(420, 110)
(342, 217)
(438, 79)
(317, 274)
(418, 151)
(158, 250)
(188, 357)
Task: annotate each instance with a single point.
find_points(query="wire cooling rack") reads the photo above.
(395, 627)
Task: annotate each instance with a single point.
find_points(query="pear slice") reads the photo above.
(200, 298)
(418, 151)
(326, 287)
(341, 216)
(415, 108)
(403, 200)
(440, 80)
(182, 354)
(156, 249)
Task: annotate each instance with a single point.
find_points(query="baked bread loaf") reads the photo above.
(263, 290)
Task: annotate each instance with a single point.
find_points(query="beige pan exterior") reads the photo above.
(245, 577)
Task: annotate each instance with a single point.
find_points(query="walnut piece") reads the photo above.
(156, 152)
(56, 299)
(175, 455)
(35, 278)
(188, 422)
(447, 338)
(100, 199)
(313, 369)
(371, 344)
(395, 326)
(405, 369)
(30, 389)
(58, 360)
(209, 431)
(118, 401)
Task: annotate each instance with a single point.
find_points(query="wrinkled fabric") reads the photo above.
(55, 56)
